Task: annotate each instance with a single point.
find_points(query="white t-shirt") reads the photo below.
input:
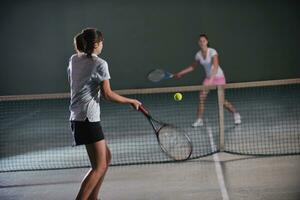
(85, 77)
(208, 61)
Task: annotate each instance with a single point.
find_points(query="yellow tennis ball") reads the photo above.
(178, 96)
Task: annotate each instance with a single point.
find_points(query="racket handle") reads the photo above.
(144, 110)
(169, 75)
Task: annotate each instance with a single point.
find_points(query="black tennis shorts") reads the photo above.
(86, 132)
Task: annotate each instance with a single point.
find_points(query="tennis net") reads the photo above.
(35, 131)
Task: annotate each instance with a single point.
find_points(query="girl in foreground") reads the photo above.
(88, 74)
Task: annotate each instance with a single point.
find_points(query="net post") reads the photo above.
(221, 118)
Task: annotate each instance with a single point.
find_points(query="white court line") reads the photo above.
(219, 171)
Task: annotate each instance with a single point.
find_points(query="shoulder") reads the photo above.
(101, 68)
(212, 51)
(198, 55)
(77, 57)
(100, 62)
(74, 56)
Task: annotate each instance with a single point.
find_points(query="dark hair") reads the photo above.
(205, 36)
(90, 36)
(78, 43)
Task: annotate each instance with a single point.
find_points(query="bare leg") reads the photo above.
(202, 98)
(97, 154)
(229, 106)
(95, 192)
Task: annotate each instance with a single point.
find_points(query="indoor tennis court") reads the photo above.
(270, 129)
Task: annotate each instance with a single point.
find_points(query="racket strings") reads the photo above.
(156, 75)
(175, 143)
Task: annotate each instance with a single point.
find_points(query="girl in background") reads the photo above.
(208, 58)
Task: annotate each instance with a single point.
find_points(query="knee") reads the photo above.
(100, 169)
(226, 103)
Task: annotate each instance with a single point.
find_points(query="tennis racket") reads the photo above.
(172, 140)
(157, 75)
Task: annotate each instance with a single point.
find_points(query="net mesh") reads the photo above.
(35, 131)
(270, 120)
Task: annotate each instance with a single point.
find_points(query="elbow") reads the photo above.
(107, 95)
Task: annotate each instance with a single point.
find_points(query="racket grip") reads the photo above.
(169, 75)
(143, 110)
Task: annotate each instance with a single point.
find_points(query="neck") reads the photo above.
(204, 49)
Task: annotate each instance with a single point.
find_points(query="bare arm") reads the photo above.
(215, 66)
(112, 96)
(187, 70)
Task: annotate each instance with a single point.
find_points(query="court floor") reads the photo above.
(221, 176)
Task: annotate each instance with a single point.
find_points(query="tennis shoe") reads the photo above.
(198, 122)
(237, 118)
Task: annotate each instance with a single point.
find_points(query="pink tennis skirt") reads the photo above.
(216, 81)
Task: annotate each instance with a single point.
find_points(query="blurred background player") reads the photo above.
(208, 58)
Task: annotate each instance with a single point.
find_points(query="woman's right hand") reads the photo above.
(177, 75)
(186, 70)
(135, 103)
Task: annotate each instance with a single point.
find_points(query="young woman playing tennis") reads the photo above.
(88, 74)
(208, 58)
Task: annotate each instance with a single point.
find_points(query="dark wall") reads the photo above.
(256, 40)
